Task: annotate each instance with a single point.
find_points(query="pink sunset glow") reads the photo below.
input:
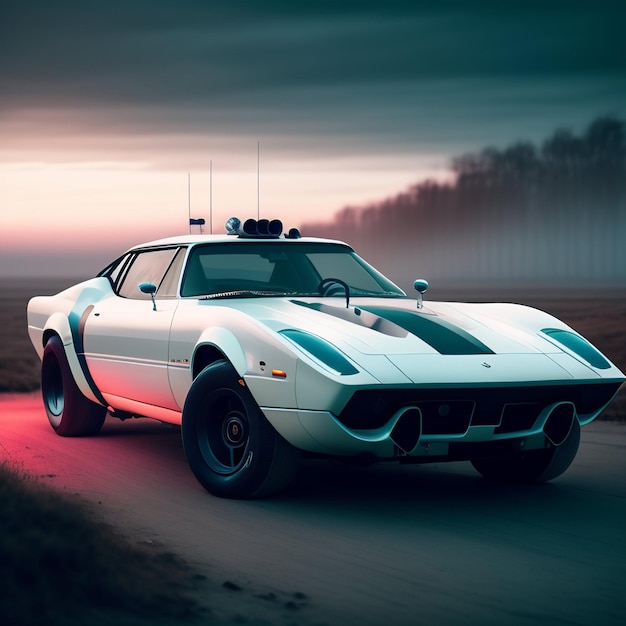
(61, 201)
(100, 188)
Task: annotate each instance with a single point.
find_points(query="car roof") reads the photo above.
(187, 240)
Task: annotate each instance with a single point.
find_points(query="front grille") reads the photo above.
(452, 410)
(446, 418)
(516, 417)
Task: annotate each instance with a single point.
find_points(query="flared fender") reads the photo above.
(59, 324)
(226, 342)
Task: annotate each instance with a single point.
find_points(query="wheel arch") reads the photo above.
(204, 355)
(214, 345)
(58, 325)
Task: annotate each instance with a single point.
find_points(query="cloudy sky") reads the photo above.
(106, 106)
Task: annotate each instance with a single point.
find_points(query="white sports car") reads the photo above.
(265, 347)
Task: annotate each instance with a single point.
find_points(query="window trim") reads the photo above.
(132, 257)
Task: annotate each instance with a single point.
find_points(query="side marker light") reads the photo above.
(279, 373)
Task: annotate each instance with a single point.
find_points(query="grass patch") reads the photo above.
(60, 566)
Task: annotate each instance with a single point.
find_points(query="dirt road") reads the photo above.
(368, 546)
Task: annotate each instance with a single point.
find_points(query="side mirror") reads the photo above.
(151, 289)
(420, 286)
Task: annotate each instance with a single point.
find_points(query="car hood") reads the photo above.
(377, 326)
(503, 340)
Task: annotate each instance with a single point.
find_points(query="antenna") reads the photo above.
(211, 197)
(258, 194)
(193, 221)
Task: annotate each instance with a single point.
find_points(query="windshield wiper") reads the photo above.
(247, 293)
(354, 291)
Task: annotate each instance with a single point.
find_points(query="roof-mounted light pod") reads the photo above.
(232, 226)
(263, 228)
(293, 233)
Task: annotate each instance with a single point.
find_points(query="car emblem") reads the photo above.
(486, 365)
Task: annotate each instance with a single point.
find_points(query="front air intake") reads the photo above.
(408, 429)
(559, 423)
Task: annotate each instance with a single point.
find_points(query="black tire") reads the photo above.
(534, 466)
(69, 412)
(230, 446)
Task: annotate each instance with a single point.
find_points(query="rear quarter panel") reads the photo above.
(60, 314)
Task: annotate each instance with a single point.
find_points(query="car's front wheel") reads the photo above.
(230, 446)
(69, 412)
(533, 466)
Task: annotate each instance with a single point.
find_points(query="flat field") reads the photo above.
(19, 364)
(598, 315)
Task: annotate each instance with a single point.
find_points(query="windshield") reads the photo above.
(242, 269)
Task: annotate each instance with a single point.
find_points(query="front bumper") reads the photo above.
(417, 422)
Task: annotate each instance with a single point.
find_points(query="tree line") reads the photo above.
(548, 213)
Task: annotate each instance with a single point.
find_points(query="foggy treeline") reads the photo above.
(548, 214)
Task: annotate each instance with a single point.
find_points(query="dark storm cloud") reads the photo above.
(329, 77)
(157, 52)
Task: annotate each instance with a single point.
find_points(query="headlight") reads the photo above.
(321, 351)
(578, 346)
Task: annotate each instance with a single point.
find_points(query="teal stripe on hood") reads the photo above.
(442, 335)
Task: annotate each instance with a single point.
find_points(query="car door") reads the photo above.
(126, 336)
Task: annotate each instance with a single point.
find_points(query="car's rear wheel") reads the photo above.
(69, 412)
(534, 466)
(230, 446)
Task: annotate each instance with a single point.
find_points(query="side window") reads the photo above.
(169, 284)
(115, 270)
(147, 267)
(118, 272)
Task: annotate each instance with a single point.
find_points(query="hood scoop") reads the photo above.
(442, 335)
